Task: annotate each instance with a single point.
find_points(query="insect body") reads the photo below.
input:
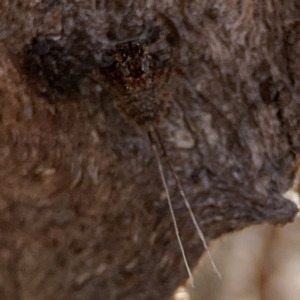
(136, 77)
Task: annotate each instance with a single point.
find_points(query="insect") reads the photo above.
(137, 77)
(135, 72)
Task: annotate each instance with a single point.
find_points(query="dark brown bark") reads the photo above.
(83, 215)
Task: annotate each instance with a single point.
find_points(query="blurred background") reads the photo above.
(258, 263)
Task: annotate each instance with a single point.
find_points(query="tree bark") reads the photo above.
(83, 212)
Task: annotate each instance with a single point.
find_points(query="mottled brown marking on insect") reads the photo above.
(136, 77)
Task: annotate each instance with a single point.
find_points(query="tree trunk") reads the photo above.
(83, 211)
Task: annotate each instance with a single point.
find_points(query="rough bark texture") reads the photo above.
(83, 213)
